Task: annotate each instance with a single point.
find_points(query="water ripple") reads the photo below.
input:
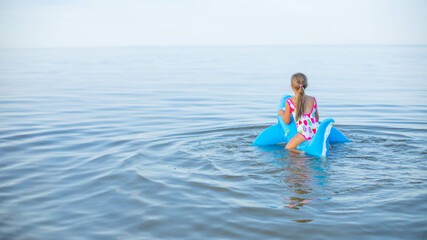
(154, 143)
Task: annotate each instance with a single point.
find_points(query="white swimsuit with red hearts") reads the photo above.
(307, 125)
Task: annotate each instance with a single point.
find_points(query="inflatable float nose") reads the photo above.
(282, 133)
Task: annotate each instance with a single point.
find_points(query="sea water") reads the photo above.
(155, 143)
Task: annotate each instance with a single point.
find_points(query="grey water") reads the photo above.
(155, 143)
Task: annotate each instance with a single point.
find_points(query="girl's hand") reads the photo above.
(281, 112)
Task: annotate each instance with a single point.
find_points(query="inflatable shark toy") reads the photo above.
(282, 133)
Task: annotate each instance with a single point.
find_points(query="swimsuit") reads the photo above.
(307, 125)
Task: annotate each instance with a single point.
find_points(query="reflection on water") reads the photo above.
(303, 221)
(304, 177)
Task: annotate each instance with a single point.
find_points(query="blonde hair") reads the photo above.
(299, 83)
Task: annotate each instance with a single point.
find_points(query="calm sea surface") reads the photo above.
(154, 143)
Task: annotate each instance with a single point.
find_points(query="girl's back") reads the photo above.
(309, 103)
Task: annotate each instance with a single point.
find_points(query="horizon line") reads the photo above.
(220, 45)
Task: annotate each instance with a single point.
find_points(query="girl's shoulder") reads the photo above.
(309, 98)
(294, 98)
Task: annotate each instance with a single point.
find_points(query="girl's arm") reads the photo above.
(286, 115)
(316, 114)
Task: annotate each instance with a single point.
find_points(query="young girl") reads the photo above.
(304, 110)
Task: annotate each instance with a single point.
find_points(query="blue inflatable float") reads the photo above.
(282, 133)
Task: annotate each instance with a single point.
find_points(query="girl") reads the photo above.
(304, 110)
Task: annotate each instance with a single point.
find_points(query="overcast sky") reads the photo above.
(98, 23)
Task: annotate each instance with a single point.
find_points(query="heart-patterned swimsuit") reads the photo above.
(307, 125)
